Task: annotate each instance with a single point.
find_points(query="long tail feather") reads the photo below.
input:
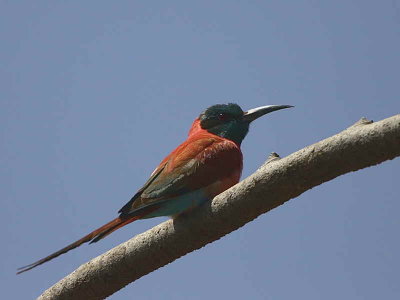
(109, 230)
(94, 236)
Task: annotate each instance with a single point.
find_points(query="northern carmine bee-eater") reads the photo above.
(203, 166)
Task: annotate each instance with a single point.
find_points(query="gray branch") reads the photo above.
(277, 181)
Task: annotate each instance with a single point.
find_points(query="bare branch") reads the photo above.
(362, 145)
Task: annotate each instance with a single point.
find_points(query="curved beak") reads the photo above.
(257, 112)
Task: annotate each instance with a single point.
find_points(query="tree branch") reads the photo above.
(277, 181)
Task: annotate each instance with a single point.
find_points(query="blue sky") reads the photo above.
(94, 94)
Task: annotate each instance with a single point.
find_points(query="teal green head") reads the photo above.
(231, 122)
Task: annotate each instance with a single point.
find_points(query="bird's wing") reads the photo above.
(195, 164)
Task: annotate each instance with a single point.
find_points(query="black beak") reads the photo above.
(255, 113)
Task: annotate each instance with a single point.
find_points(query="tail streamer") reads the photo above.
(92, 237)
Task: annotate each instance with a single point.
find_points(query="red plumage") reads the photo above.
(204, 160)
(206, 164)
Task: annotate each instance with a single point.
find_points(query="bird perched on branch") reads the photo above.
(203, 166)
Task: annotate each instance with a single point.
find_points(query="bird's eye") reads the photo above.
(222, 117)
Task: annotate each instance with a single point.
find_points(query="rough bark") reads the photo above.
(277, 181)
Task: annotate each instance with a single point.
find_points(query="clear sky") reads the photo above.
(95, 93)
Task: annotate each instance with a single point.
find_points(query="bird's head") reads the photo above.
(230, 121)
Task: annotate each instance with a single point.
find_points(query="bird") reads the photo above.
(207, 163)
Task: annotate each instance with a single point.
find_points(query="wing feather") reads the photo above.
(197, 163)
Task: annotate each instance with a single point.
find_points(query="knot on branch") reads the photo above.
(362, 121)
(272, 157)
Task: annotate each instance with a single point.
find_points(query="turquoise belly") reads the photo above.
(179, 204)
